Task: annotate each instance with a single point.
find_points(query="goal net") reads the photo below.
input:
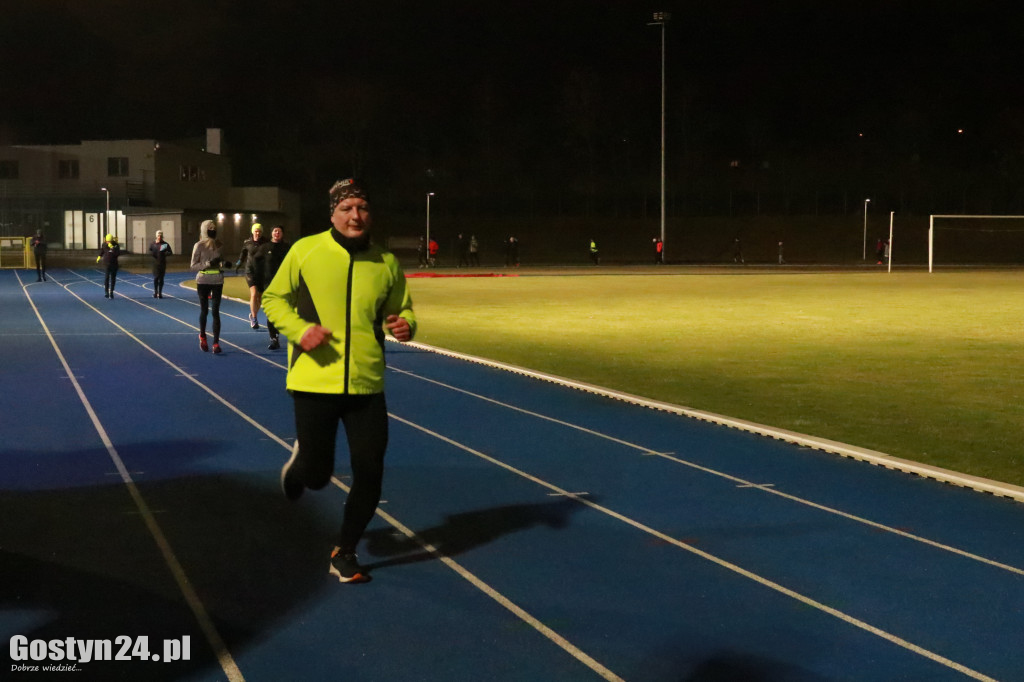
(14, 253)
(975, 239)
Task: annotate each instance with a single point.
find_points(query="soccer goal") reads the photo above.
(14, 252)
(977, 239)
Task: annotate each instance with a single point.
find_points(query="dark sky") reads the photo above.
(306, 77)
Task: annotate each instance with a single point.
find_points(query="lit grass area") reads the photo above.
(924, 367)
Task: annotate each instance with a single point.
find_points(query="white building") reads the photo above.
(76, 193)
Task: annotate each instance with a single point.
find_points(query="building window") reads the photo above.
(67, 170)
(190, 173)
(117, 166)
(8, 170)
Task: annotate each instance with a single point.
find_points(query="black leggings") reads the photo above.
(109, 280)
(366, 426)
(205, 291)
(158, 278)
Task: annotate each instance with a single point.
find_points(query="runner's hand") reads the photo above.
(315, 336)
(399, 327)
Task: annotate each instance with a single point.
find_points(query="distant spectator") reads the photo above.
(421, 252)
(880, 250)
(659, 251)
(38, 244)
(432, 249)
(595, 255)
(512, 252)
(737, 251)
(781, 261)
(110, 252)
(474, 251)
(160, 250)
(462, 248)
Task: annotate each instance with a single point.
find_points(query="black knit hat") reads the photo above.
(346, 189)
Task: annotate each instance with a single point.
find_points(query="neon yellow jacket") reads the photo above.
(319, 282)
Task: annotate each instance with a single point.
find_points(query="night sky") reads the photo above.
(305, 88)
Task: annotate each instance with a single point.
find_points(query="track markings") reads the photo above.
(213, 637)
(808, 601)
(227, 662)
(739, 481)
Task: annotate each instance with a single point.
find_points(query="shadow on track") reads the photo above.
(462, 532)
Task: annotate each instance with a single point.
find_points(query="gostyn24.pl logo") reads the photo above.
(65, 654)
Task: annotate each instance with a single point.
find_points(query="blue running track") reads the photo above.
(529, 531)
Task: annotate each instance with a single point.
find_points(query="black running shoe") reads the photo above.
(291, 486)
(345, 567)
(274, 344)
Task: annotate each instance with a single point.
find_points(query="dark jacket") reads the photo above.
(109, 253)
(160, 251)
(272, 254)
(250, 257)
(38, 244)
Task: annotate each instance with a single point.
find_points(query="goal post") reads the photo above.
(934, 217)
(15, 252)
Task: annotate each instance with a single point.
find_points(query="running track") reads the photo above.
(529, 531)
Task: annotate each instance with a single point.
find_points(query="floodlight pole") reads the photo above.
(865, 254)
(106, 216)
(429, 194)
(659, 20)
(892, 214)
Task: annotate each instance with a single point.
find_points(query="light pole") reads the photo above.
(429, 194)
(659, 20)
(865, 255)
(106, 216)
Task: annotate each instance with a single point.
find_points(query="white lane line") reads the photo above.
(986, 485)
(216, 642)
(739, 481)
(519, 612)
(223, 341)
(464, 573)
(846, 618)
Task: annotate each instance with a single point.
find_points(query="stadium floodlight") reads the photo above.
(660, 18)
(865, 255)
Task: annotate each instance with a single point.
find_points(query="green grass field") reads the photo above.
(919, 366)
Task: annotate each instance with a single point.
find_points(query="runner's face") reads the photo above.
(351, 217)
(277, 234)
(257, 233)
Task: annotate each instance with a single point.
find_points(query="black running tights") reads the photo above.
(366, 427)
(210, 293)
(109, 280)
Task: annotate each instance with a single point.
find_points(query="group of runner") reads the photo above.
(337, 294)
(261, 259)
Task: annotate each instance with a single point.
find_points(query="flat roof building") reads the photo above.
(76, 193)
